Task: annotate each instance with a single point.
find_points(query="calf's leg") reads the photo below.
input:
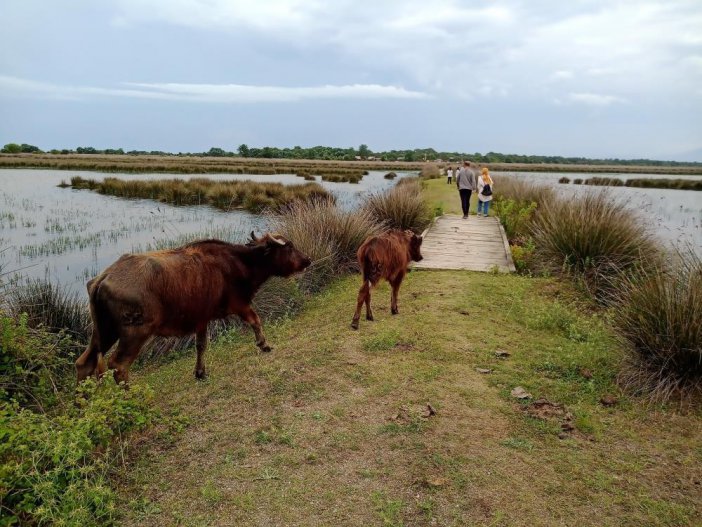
(363, 296)
(201, 347)
(393, 296)
(251, 318)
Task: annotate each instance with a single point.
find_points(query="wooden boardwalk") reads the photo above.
(474, 244)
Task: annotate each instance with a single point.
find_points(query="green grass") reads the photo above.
(333, 425)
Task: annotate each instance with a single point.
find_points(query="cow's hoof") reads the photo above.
(266, 348)
(395, 311)
(201, 375)
(369, 318)
(354, 324)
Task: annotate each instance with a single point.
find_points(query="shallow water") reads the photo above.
(68, 236)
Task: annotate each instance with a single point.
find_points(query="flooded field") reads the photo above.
(68, 236)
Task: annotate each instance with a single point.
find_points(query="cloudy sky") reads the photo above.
(598, 78)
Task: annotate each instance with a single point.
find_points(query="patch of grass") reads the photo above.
(518, 444)
(389, 510)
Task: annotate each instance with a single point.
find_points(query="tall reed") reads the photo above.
(327, 234)
(595, 238)
(660, 322)
(401, 207)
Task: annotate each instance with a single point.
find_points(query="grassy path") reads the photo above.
(332, 427)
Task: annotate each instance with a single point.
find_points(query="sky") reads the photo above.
(593, 78)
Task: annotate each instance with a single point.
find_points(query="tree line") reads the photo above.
(363, 152)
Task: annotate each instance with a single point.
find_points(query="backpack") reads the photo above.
(487, 190)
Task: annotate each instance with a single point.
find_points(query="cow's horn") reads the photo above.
(253, 236)
(277, 240)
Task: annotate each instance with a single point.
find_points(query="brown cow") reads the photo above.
(176, 293)
(385, 256)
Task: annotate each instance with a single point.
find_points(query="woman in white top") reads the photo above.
(485, 184)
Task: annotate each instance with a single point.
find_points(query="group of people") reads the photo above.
(468, 181)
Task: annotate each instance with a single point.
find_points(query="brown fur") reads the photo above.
(386, 256)
(176, 293)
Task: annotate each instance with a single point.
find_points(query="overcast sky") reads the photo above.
(597, 78)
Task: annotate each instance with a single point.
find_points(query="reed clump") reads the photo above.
(594, 238)
(660, 322)
(50, 306)
(226, 195)
(401, 207)
(564, 180)
(604, 182)
(678, 184)
(327, 234)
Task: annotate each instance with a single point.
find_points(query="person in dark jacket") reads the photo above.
(467, 182)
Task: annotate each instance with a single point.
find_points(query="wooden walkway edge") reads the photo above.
(474, 244)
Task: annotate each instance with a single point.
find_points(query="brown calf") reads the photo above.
(176, 293)
(385, 256)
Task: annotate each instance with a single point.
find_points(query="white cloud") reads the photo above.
(594, 99)
(212, 93)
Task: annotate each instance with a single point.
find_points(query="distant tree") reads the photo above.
(87, 150)
(216, 152)
(267, 152)
(11, 148)
(243, 150)
(364, 151)
(29, 149)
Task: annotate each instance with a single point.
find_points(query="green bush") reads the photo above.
(514, 215)
(56, 469)
(36, 366)
(660, 321)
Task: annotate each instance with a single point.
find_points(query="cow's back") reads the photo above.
(384, 255)
(175, 290)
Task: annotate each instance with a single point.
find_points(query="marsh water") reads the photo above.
(68, 236)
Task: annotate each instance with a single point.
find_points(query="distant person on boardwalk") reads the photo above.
(449, 174)
(466, 183)
(485, 190)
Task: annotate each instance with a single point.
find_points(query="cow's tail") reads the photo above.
(100, 316)
(372, 270)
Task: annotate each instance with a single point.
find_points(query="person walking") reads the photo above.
(449, 174)
(485, 189)
(466, 183)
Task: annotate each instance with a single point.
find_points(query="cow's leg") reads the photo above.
(369, 310)
(201, 347)
(127, 351)
(395, 284)
(251, 318)
(92, 360)
(363, 293)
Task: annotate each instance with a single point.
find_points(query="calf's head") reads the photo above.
(414, 244)
(282, 255)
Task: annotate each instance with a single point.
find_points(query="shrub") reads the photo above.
(564, 180)
(390, 175)
(430, 171)
(578, 181)
(401, 207)
(51, 306)
(514, 215)
(35, 366)
(523, 255)
(594, 238)
(56, 468)
(660, 321)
